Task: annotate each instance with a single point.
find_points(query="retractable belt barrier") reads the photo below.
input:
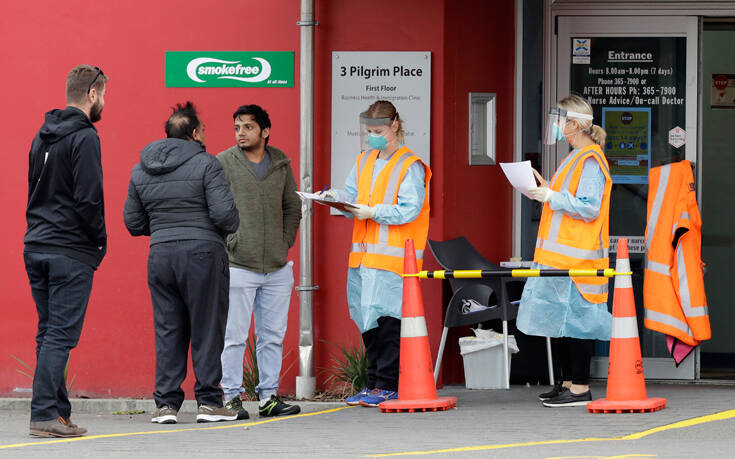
(482, 273)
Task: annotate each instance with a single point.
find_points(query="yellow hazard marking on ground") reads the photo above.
(153, 432)
(729, 414)
(622, 456)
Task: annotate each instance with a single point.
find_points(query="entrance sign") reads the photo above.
(220, 69)
(628, 145)
(361, 78)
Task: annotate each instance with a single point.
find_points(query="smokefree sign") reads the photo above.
(225, 69)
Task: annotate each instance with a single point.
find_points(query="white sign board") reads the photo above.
(677, 137)
(361, 78)
(636, 244)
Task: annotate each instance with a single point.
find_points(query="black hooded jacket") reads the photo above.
(66, 209)
(178, 192)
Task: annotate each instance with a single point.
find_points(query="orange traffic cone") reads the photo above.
(626, 385)
(416, 388)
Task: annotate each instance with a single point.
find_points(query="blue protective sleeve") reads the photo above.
(410, 195)
(410, 199)
(585, 204)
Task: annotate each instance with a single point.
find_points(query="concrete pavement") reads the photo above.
(699, 421)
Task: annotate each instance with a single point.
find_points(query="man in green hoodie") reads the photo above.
(261, 279)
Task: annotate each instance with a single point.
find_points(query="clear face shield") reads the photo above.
(375, 133)
(555, 122)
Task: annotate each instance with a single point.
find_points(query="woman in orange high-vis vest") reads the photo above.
(573, 234)
(390, 186)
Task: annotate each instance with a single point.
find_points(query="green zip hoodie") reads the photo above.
(270, 211)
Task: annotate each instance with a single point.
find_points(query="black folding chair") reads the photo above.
(493, 292)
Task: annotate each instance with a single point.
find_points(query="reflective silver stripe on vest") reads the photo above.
(686, 303)
(385, 249)
(658, 267)
(557, 217)
(624, 327)
(603, 163)
(668, 320)
(413, 327)
(362, 161)
(573, 251)
(663, 182)
(391, 189)
(592, 289)
(684, 215)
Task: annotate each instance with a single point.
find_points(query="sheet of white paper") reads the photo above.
(337, 204)
(308, 195)
(520, 176)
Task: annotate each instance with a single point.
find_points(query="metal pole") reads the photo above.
(305, 381)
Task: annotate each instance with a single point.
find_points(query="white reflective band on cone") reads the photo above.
(413, 327)
(622, 265)
(623, 281)
(624, 327)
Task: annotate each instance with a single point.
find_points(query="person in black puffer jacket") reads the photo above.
(178, 195)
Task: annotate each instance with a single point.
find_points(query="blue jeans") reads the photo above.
(60, 286)
(266, 297)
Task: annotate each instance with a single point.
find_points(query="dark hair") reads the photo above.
(260, 115)
(182, 122)
(82, 79)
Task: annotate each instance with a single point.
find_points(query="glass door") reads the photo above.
(640, 74)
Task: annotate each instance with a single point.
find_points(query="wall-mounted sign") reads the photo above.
(636, 244)
(722, 92)
(361, 78)
(628, 144)
(677, 137)
(224, 69)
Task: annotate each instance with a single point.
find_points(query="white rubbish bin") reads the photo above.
(483, 361)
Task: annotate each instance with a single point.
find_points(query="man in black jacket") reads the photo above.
(178, 195)
(65, 240)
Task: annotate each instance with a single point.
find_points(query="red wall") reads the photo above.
(479, 56)
(43, 40)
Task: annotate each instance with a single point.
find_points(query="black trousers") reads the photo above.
(60, 286)
(383, 348)
(572, 358)
(189, 283)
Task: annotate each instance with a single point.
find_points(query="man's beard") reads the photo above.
(95, 112)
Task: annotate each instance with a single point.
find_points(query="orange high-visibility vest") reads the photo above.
(382, 246)
(565, 242)
(673, 286)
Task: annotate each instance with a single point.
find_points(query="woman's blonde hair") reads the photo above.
(385, 109)
(575, 103)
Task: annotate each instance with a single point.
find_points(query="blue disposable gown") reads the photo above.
(374, 293)
(553, 306)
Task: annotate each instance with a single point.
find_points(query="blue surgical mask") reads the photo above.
(557, 132)
(377, 141)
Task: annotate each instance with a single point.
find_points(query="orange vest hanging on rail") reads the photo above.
(673, 287)
(382, 246)
(571, 243)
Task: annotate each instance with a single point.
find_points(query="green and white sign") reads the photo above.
(228, 69)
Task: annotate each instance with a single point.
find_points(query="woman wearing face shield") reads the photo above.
(389, 185)
(573, 234)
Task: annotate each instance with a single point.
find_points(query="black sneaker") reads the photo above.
(236, 405)
(567, 398)
(276, 407)
(556, 390)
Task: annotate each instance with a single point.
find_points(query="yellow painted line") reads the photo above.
(634, 436)
(622, 456)
(153, 432)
